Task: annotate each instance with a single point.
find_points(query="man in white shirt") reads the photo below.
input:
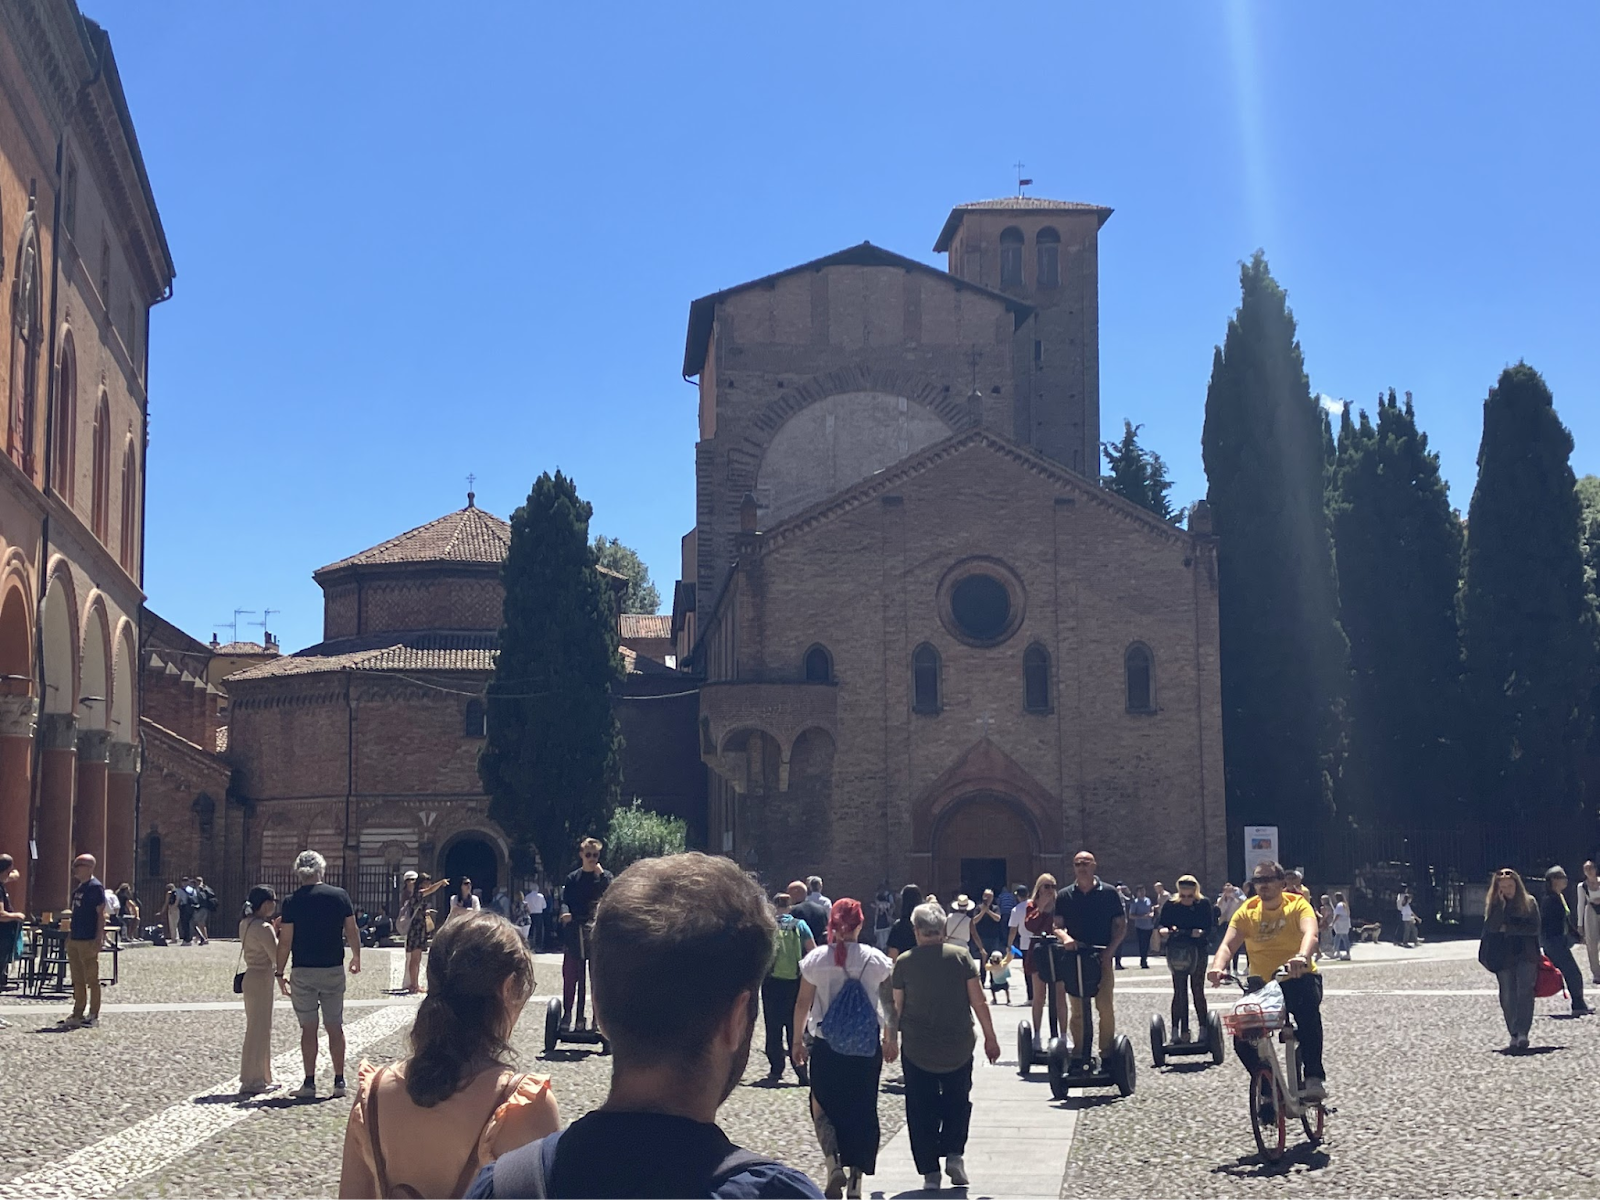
(1017, 934)
(534, 901)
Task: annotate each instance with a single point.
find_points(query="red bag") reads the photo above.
(1549, 981)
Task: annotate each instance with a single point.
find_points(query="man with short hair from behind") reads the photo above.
(84, 939)
(781, 987)
(681, 945)
(815, 910)
(318, 922)
(10, 920)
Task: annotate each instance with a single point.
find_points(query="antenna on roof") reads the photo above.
(234, 624)
(1021, 182)
(472, 496)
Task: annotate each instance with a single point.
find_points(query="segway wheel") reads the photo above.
(1270, 1135)
(1056, 1067)
(1214, 1037)
(1124, 1070)
(1311, 1122)
(552, 1023)
(1024, 1048)
(1158, 1041)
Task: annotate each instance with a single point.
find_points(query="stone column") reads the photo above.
(58, 772)
(89, 813)
(121, 781)
(18, 716)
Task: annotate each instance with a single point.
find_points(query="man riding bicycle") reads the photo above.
(1279, 929)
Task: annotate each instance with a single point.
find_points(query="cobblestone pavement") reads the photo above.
(1424, 1102)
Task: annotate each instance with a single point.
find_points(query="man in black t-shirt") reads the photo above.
(681, 945)
(1093, 915)
(318, 923)
(815, 910)
(580, 897)
(84, 939)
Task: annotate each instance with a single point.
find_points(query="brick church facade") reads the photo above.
(933, 648)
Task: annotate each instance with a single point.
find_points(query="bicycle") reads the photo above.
(1268, 1084)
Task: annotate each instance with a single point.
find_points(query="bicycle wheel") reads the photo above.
(1271, 1135)
(1311, 1122)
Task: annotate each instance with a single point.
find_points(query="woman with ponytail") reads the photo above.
(840, 1009)
(424, 1126)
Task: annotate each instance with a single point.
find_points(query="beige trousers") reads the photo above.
(83, 961)
(1105, 1015)
(255, 1063)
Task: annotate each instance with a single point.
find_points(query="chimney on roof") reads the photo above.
(214, 642)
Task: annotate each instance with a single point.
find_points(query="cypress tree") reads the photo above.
(1138, 474)
(1283, 654)
(1527, 627)
(551, 762)
(1398, 544)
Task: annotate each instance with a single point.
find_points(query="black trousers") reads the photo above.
(1561, 956)
(1303, 998)
(186, 924)
(1144, 946)
(938, 1114)
(778, 997)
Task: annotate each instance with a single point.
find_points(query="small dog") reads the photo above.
(1369, 933)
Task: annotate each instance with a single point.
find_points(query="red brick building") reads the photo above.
(933, 647)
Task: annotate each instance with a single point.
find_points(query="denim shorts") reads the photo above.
(313, 986)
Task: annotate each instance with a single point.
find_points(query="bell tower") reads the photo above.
(1046, 253)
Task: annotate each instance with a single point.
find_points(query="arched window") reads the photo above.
(1138, 667)
(1011, 257)
(152, 855)
(1036, 679)
(473, 724)
(925, 679)
(63, 457)
(100, 499)
(27, 328)
(819, 665)
(129, 532)
(1049, 243)
(205, 811)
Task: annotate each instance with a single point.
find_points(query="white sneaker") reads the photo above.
(1315, 1090)
(932, 1182)
(955, 1167)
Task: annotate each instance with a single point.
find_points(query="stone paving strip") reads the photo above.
(148, 1145)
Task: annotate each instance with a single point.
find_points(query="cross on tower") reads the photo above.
(471, 495)
(1021, 182)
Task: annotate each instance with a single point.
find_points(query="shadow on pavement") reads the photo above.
(1254, 1166)
(1528, 1051)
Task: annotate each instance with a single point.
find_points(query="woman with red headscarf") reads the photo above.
(840, 1009)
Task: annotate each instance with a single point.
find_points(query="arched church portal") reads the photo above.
(983, 841)
(473, 856)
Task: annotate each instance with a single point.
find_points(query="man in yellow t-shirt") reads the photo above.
(1279, 929)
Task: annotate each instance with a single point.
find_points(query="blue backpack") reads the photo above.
(850, 1026)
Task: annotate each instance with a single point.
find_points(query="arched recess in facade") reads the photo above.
(492, 842)
(18, 712)
(58, 741)
(985, 839)
(94, 734)
(122, 762)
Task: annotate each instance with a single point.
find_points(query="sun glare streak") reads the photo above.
(1242, 48)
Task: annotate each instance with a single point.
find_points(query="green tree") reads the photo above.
(1284, 657)
(1398, 544)
(1527, 626)
(1138, 474)
(551, 763)
(637, 832)
(1589, 507)
(641, 596)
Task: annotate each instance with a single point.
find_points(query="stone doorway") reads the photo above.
(473, 857)
(980, 839)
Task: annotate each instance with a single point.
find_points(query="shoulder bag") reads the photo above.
(238, 967)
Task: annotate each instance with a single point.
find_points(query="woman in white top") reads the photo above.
(958, 924)
(464, 900)
(1588, 901)
(844, 1077)
(1341, 926)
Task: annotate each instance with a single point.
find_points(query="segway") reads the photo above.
(1084, 1068)
(1043, 948)
(578, 1034)
(1182, 1044)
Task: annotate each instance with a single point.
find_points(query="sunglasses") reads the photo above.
(1506, 874)
(1261, 879)
(591, 856)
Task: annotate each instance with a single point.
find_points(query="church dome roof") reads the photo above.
(466, 537)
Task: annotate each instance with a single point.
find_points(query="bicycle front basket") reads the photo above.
(1249, 1020)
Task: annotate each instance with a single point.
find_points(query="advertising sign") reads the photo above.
(1260, 845)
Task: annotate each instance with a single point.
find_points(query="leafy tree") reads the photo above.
(551, 763)
(1527, 627)
(641, 596)
(1284, 657)
(1398, 544)
(1589, 507)
(1138, 474)
(636, 832)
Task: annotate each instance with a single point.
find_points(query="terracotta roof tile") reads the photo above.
(243, 648)
(644, 625)
(468, 535)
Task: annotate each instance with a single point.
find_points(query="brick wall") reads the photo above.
(410, 600)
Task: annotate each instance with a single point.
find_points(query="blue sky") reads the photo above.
(411, 248)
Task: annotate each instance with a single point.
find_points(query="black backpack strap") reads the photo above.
(525, 1172)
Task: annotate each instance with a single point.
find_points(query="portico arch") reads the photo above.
(58, 742)
(18, 711)
(986, 839)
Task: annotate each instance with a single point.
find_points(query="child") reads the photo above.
(999, 976)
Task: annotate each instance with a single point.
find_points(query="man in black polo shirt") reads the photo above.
(1092, 912)
(87, 935)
